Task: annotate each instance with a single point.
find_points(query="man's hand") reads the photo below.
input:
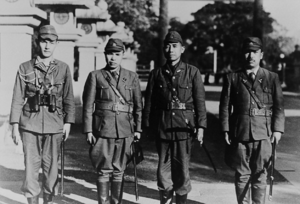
(66, 130)
(228, 141)
(91, 139)
(277, 136)
(200, 132)
(16, 133)
(137, 135)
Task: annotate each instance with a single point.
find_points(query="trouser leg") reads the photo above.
(166, 197)
(254, 157)
(259, 187)
(242, 188)
(263, 151)
(50, 157)
(164, 175)
(181, 199)
(32, 159)
(180, 158)
(33, 200)
(243, 172)
(110, 156)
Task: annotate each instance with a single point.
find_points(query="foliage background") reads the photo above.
(220, 25)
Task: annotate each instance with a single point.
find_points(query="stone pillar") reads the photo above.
(17, 21)
(86, 65)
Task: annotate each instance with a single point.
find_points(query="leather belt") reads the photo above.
(176, 106)
(115, 107)
(260, 112)
(254, 112)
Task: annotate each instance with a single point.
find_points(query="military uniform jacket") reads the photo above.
(172, 124)
(25, 89)
(236, 104)
(108, 123)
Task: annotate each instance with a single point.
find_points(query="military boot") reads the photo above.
(166, 197)
(181, 199)
(258, 194)
(116, 192)
(103, 192)
(47, 198)
(33, 200)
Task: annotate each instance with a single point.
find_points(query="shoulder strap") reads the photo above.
(116, 91)
(253, 95)
(173, 91)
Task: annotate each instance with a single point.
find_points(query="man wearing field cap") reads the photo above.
(112, 110)
(252, 117)
(42, 111)
(174, 104)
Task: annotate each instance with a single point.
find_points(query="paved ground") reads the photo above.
(208, 187)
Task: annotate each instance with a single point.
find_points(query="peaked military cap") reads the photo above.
(173, 37)
(252, 43)
(48, 32)
(114, 44)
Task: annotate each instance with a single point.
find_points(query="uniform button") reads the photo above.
(253, 91)
(173, 77)
(173, 113)
(252, 102)
(174, 89)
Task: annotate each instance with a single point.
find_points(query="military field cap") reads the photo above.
(173, 37)
(114, 44)
(48, 32)
(252, 43)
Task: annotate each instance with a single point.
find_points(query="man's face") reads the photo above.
(252, 58)
(173, 51)
(114, 58)
(47, 47)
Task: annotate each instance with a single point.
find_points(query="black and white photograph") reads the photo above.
(149, 101)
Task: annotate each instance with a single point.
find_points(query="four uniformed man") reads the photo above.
(174, 103)
(42, 111)
(112, 111)
(252, 117)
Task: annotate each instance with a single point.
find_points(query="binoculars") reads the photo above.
(44, 100)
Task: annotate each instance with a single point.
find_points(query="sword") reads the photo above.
(201, 145)
(135, 173)
(62, 166)
(209, 157)
(272, 170)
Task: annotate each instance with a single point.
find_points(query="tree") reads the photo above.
(139, 17)
(224, 26)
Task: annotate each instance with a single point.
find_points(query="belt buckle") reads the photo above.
(253, 112)
(175, 105)
(115, 108)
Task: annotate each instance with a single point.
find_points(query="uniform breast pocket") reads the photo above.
(103, 92)
(128, 92)
(58, 87)
(185, 91)
(267, 92)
